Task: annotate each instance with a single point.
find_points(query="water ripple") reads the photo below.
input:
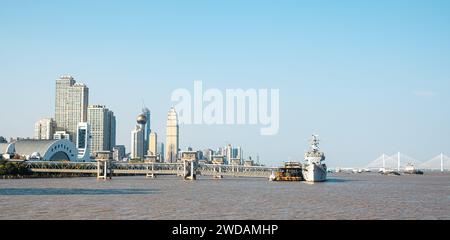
(72, 191)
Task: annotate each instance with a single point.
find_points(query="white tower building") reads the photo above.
(138, 138)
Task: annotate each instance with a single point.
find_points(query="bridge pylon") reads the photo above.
(218, 172)
(104, 165)
(151, 173)
(190, 165)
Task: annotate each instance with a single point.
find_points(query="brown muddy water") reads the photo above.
(344, 196)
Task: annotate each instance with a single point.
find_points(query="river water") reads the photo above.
(344, 196)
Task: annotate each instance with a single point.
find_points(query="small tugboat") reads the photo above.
(315, 170)
(292, 171)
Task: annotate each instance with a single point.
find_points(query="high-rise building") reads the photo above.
(228, 153)
(162, 151)
(172, 136)
(147, 129)
(103, 128)
(44, 129)
(83, 142)
(152, 148)
(200, 155)
(112, 136)
(220, 151)
(138, 138)
(137, 143)
(118, 152)
(71, 105)
(207, 153)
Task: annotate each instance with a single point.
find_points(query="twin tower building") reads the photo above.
(144, 142)
(92, 128)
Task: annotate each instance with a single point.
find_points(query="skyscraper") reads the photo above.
(44, 129)
(112, 135)
(207, 153)
(162, 151)
(172, 136)
(138, 138)
(71, 105)
(147, 129)
(118, 152)
(103, 128)
(152, 148)
(228, 153)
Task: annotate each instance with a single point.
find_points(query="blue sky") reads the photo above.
(368, 77)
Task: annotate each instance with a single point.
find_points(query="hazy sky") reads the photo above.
(368, 77)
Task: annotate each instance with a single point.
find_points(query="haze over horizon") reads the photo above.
(368, 78)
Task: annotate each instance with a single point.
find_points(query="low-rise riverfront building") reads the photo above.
(47, 150)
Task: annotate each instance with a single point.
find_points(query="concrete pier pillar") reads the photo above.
(104, 170)
(192, 170)
(218, 172)
(151, 173)
(189, 170)
(104, 165)
(184, 169)
(189, 165)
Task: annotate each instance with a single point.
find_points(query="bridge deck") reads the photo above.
(150, 169)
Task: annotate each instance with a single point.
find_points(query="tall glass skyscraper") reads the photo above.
(147, 130)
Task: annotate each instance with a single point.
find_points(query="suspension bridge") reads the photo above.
(400, 161)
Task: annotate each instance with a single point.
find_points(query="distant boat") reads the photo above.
(314, 170)
(386, 171)
(410, 169)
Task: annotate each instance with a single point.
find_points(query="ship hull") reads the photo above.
(315, 173)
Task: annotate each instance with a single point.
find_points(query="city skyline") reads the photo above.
(367, 81)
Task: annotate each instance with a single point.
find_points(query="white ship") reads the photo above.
(410, 169)
(314, 170)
